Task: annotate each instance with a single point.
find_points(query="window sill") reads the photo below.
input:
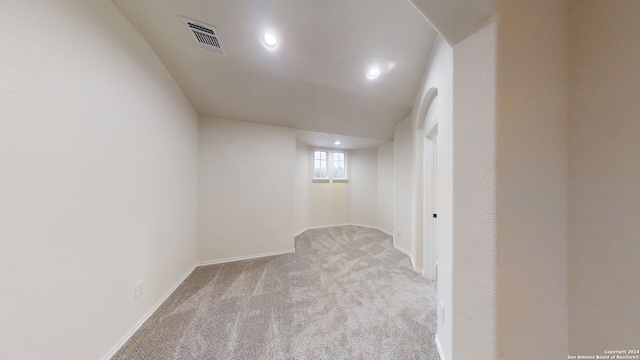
(326, 181)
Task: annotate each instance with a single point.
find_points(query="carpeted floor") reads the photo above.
(345, 293)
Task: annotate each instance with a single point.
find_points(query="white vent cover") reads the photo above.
(206, 36)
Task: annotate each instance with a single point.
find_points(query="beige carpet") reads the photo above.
(345, 293)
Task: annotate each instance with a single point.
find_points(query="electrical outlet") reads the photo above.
(139, 287)
(398, 232)
(363, 215)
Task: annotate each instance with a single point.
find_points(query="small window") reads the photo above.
(330, 166)
(339, 166)
(320, 168)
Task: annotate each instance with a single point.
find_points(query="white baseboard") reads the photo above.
(384, 231)
(146, 317)
(373, 227)
(402, 250)
(440, 352)
(300, 232)
(413, 263)
(318, 227)
(247, 257)
(336, 225)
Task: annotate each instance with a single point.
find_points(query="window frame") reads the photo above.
(330, 163)
(326, 164)
(344, 165)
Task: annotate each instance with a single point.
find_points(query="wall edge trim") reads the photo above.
(318, 227)
(373, 227)
(336, 225)
(149, 313)
(413, 263)
(245, 257)
(439, 347)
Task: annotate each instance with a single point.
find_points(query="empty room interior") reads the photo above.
(463, 172)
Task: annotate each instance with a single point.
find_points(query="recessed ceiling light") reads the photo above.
(337, 143)
(270, 41)
(373, 73)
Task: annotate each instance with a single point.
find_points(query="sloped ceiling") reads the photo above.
(315, 80)
(455, 20)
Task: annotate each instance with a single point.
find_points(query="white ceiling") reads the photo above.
(456, 19)
(315, 80)
(325, 140)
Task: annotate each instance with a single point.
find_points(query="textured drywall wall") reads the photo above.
(385, 188)
(473, 315)
(410, 176)
(301, 195)
(403, 162)
(439, 76)
(604, 174)
(532, 180)
(364, 187)
(98, 176)
(436, 88)
(246, 189)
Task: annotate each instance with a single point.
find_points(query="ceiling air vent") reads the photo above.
(206, 36)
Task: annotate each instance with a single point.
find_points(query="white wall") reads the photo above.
(98, 150)
(469, 286)
(532, 180)
(385, 189)
(246, 189)
(364, 187)
(403, 162)
(438, 76)
(426, 113)
(301, 195)
(408, 154)
(327, 203)
(409, 193)
(604, 173)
